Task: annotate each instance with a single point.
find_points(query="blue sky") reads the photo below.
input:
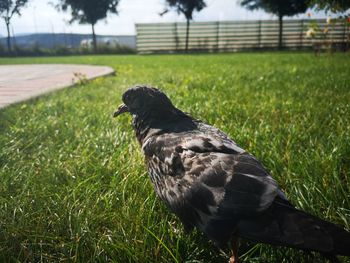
(39, 16)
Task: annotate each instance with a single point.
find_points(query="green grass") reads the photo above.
(73, 185)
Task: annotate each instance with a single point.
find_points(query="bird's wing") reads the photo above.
(205, 176)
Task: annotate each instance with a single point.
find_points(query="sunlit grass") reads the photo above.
(73, 185)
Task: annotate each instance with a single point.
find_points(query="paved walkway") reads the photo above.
(22, 82)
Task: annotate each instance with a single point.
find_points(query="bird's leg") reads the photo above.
(234, 247)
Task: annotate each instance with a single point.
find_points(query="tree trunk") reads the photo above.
(187, 33)
(94, 43)
(280, 35)
(7, 21)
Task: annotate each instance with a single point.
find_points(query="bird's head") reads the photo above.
(143, 100)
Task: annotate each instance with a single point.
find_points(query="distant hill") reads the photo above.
(47, 40)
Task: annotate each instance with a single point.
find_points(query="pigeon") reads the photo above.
(212, 184)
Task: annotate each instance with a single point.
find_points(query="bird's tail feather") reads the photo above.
(286, 226)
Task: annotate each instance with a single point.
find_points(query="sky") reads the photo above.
(41, 17)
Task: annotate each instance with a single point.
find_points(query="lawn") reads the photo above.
(73, 185)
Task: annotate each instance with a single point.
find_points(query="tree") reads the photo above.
(331, 5)
(89, 12)
(186, 7)
(8, 8)
(280, 8)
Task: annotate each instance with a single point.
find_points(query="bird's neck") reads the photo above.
(142, 128)
(157, 123)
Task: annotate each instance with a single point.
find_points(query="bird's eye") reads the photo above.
(127, 98)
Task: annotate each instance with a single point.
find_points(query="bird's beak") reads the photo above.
(121, 109)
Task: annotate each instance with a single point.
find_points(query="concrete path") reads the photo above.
(22, 82)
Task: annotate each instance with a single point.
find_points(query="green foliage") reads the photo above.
(74, 186)
(89, 11)
(2, 50)
(332, 5)
(277, 7)
(8, 8)
(35, 51)
(186, 7)
(322, 35)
